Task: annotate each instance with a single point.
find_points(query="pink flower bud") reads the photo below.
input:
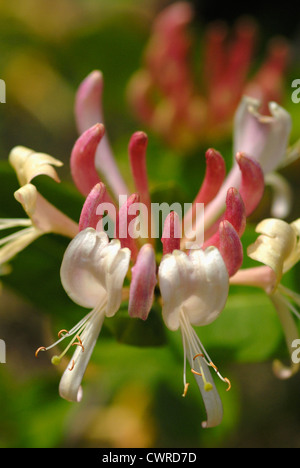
(171, 233)
(142, 283)
(252, 182)
(88, 101)
(125, 225)
(230, 247)
(82, 160)
(234, 213)
(89, 216)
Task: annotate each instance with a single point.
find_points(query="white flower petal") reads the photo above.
(197, 284)
(264, 138)
(213, 284)
(274, 246)
(29, 164)
(93, 268)
(81, 276)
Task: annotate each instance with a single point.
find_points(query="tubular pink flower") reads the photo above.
(126, 224)
(227, 78)
(267, 85)
(88, 112)
(214, 56)
(230, 247)
(137, 156)
(214, 176)
(171, 233)
(142, 283)
(168, 50)
(252, 184)
(164, 92)
(89, 216)
(247, 176)
(230, 229)
(82, 162)
(235, 213)
(88, 101)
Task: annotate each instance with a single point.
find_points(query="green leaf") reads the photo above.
(248, 329)
(137, 332)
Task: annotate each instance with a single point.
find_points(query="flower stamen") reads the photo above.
(78, 343)
(41, 348)
(211, 364)
(186, 386)
(207, 385)
(72, 366)
(229, 384)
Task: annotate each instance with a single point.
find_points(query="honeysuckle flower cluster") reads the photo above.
(184, 110)
(189, 280)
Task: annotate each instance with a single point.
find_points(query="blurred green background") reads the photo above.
(133, 386)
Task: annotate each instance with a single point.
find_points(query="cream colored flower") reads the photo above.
(28, 164)
(43, 217)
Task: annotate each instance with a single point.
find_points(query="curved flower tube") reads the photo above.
(89, 112)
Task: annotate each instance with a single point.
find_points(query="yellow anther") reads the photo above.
(62, 331)
(55, 360)
(208, 386)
